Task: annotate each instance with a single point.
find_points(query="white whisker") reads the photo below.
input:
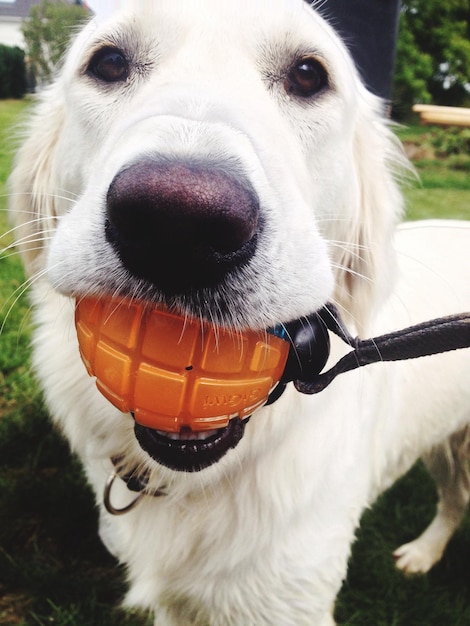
(17, 294)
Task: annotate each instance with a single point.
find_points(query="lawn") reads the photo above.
(53, 569)
(442, 160)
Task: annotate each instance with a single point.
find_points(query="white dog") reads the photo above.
(257, 109)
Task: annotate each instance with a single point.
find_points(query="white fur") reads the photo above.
(263, 536)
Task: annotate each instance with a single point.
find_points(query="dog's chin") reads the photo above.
(188, 451)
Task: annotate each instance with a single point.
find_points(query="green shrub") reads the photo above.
(451, 141)
(12, 72)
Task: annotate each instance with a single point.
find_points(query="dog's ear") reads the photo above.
(365, 265)
(32, 184)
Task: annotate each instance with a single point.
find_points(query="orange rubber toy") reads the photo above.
(174, 372)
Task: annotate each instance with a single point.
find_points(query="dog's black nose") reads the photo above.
(181, 225)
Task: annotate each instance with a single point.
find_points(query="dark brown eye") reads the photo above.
(109, 65)
(306, 78)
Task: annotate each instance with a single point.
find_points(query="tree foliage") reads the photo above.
(433, 53)
(47, 33)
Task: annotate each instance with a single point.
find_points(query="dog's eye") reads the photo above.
(109, 65)
(306, 78)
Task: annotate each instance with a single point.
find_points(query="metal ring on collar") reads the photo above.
(107, 497)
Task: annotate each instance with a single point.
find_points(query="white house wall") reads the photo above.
(10, 32)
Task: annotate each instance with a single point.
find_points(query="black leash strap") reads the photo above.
(432, 337)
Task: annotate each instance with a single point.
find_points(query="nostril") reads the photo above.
(198, 221)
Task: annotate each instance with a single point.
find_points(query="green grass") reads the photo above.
(443, 189)
(18, 387)
(54, 570)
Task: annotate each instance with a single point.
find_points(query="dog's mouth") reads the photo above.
(189, 451)
(190, 386)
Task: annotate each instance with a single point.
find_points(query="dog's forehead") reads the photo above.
(104, 9)
(254, 23)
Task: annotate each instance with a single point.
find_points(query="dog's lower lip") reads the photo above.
(191, 454)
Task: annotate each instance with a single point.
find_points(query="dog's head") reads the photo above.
(227, 163)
